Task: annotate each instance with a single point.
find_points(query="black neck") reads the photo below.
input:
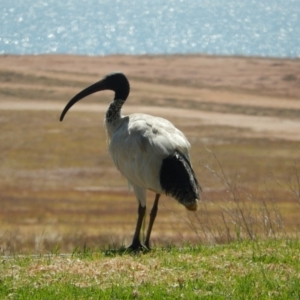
(114, 111)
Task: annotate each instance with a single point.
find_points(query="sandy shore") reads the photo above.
(262, 95)
(270, 127)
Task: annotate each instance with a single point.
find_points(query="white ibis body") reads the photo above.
(149, 151)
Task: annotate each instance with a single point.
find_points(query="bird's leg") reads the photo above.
(136, 244)
(153, 214)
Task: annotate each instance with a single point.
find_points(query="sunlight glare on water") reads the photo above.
(223, 27)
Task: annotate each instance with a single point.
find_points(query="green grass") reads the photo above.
(249, 270)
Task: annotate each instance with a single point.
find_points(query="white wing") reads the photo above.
(140, 144)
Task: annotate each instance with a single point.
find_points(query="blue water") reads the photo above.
(90, 27)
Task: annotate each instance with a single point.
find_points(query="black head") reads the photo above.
(116, 82)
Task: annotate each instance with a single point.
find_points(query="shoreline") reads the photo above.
(207, 55)
(268, 76)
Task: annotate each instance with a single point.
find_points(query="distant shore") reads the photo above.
(268, 76)
(243, 92)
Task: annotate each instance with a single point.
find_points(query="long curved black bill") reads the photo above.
(96, 87)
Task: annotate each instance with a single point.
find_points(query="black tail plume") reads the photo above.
(178, 179)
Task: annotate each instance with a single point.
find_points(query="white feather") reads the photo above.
(138, 145)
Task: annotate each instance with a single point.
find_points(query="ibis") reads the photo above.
(150, 152)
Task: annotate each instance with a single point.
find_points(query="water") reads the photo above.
(90, 27)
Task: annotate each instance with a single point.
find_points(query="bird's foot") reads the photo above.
(136, 246)
(147, 246)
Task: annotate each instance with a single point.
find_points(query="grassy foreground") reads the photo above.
(266, 269)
